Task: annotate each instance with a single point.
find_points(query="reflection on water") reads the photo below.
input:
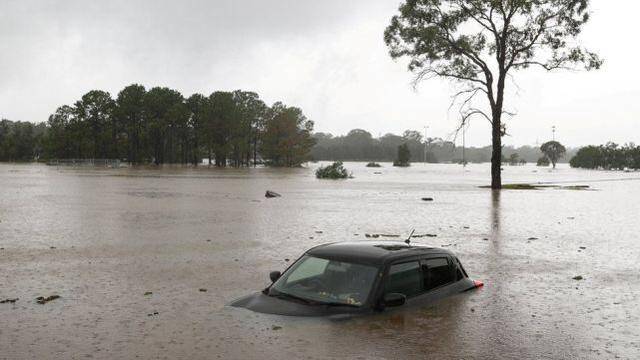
(103, 238)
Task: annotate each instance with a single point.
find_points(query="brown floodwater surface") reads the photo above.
(103, 238)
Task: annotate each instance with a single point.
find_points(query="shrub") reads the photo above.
(333, 171)
(373, 165)
(543, 161)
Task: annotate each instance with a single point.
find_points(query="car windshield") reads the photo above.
(317, 280)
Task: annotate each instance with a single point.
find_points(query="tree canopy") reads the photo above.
(553, 151)
(160, 126)
(477, 43)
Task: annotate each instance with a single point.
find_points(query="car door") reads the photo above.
(438, 276)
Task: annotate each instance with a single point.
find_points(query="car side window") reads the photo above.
(404, 279)
(436, 272)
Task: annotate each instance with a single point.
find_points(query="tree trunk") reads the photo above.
(496, 154)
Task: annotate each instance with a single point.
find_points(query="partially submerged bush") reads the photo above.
(543, 161)
(333, 171)
(373, 165)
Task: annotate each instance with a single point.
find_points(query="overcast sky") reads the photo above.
(327, 57)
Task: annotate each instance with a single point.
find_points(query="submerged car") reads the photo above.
(359, 278)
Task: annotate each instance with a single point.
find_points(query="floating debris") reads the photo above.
(427, 199)
(578, 278)
(202, 290)
(424, 236)
(532, 239)
(276, 327)
(154, 313)
(9, 301)
(375, 236)
(148, 293)
(43, 300)
(271, 194)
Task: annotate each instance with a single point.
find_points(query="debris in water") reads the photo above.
(466, 227)
(43, 300)
(578, 278)
(271, 194)
(9, 301)
(424, 236)
(202, 290)
(154, 313)
(583, 248)
(533, 238)
(52, 247)
(375, 236)
(427, 199)
(287, 260)
(148, 293)
(276, 327)
(318, 232)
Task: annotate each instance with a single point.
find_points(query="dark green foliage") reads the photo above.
(161, 126)
(610, 156)
(287, 140)
(553, 151)
(478, 43)
(543, 161)
(333, 171)
(404, 156)
(21, 141)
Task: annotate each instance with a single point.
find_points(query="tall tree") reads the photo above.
(287, 138)
(196, 105)
(478, 43)
(95, 111)
(553, 150)
(158, 102)
(130, 114)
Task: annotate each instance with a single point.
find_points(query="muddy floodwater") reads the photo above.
(145, 261)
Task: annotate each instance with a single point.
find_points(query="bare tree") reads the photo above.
(478, 43)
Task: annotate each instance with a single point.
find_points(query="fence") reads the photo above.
(107, 163)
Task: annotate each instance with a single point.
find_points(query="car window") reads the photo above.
(310, 268)
(405, 279)
(436, 272)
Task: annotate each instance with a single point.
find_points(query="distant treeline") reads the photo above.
(360, 145)
(161, 126)
(21, 141)
(610, 156)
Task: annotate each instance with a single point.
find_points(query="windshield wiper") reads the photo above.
(332, 304)
(285, 295)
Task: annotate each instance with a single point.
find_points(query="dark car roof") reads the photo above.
(372, 252)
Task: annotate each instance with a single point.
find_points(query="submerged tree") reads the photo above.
(404, 156)
(553, 151)
(287, 136)
(478, 43)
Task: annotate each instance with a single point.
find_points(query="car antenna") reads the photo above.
(408, 241)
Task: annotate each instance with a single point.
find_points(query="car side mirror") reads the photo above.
(394, 299)
(274, 275)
